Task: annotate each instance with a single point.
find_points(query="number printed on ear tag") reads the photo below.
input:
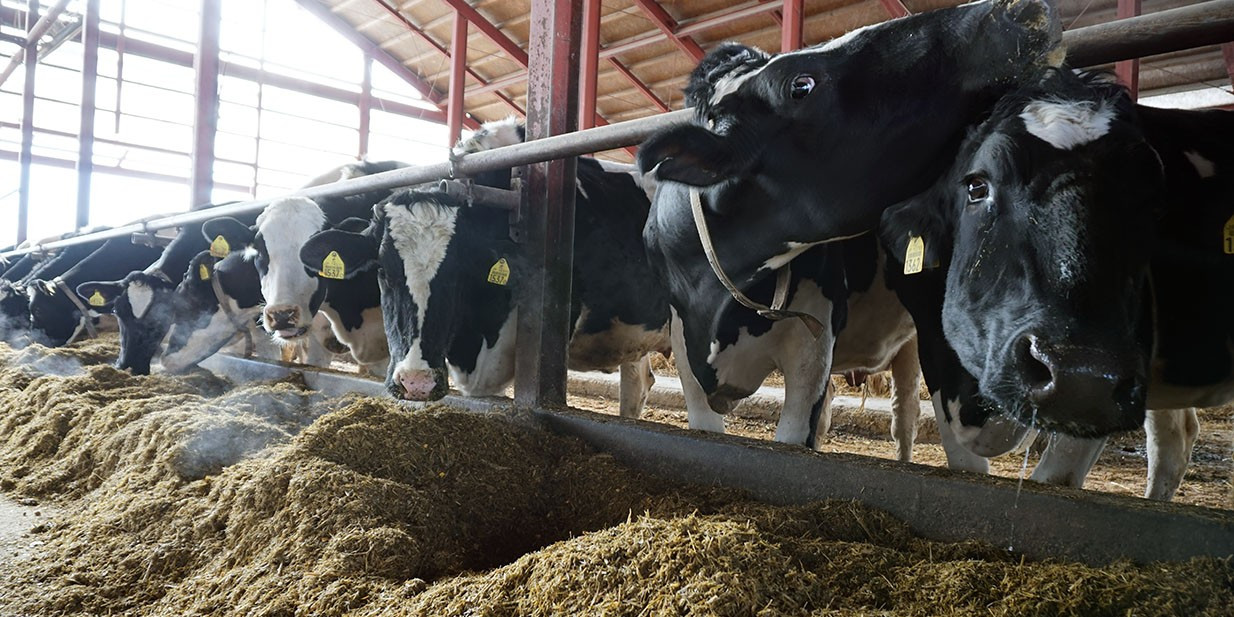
(219, 248)
(203, 272)
(499, 274)
(914, 257)
(97, 299)
(332, 267)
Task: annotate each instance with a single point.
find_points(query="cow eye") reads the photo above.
(801, 86)
(978, 189)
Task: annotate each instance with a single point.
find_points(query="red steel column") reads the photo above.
(590, 63)
(1128, 71)
(366, 104)
(85, 135)
(27, 126)
(548, 207)
(458, 70)
(206, 64)
(790, 30)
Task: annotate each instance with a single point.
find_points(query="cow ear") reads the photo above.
(226, 234)
(688, 154)
(353, 224)
(918, 228)
(100, 295)
(338, 254)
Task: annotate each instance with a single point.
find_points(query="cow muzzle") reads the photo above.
(420, 385)
(284, 321)
(1082, 391)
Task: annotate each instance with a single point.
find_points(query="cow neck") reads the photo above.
(85, 312)
(239, 324)
(776, 311)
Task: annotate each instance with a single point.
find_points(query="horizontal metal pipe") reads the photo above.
(558, 146)
(1206, 23)
(32, 39)
(1165, 31)
(483, 195)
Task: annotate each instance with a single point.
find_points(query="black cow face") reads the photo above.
(434, 258)
(14, 310)
(1044, 226)
(810, 146)
(144, 306)
(200, 328)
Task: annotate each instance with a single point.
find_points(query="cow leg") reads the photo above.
(905, 403)
(806, 364)
(698, 410)
(1067, 460)
(1171, 436)
(636, 382)
(959, 458)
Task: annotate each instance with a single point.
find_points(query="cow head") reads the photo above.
(1044, 225)
(810, 146)
(14, 309)
(292, 295)
(491, 135)
(54, 318)
(143, 304)
(200, 327)
(433, 255)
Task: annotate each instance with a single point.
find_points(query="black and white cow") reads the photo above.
(1078, 281)
(294, 296)
(201, 326)
(55, 315)
(810, 146)
(142, 301)
(449, 274)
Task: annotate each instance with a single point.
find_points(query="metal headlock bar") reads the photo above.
(1187, 27)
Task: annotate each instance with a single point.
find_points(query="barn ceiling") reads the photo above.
(649, 47)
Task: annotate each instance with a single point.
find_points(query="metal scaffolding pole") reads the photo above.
(548, 207)
(85, 134)
(27, 126)
(206, 64)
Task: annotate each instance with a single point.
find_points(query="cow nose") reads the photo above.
(1082, 386)
(280, 318)
(417, 385)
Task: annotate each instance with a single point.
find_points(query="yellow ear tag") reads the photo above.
(914, 257)
(203, 272)
(97, 298)
(499, 274)
(219, 248)
(332, 267)
(1227, 234)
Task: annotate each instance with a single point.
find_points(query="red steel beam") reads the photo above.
(373, 50)
(638, 84)
(85, 132)
(25, 156)
(590, 64)
(487, 28)
(895, 8)
(668, 26)
(790, 30)
(548, 208)
(1128, 71)
(458, 72)
(206, 96)
(423, 36)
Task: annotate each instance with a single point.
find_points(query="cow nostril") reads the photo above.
(1038, 373)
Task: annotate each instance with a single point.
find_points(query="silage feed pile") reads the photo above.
(186, 496)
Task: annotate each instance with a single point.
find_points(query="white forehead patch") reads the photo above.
(140, 298)
(495, 134)
(1066, 125)
(421, 234)
(1202, 166)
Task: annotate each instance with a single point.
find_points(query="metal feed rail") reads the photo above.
(1171, 30)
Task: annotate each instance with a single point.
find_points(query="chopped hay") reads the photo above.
(267, 500)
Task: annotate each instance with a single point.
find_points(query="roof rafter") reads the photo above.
(668, 26)
(493, 33)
